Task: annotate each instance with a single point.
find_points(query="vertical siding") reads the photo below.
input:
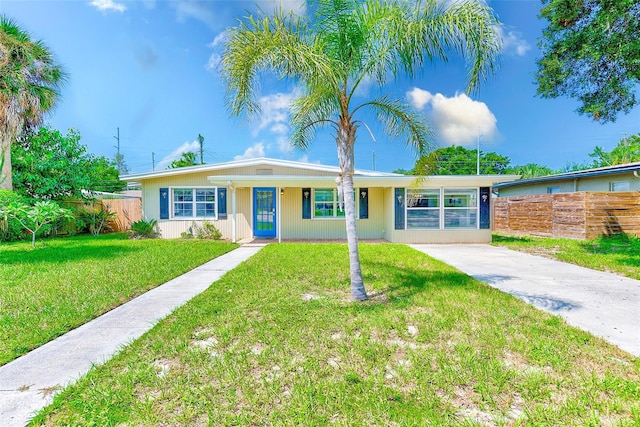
(171, 228)
(294, 227)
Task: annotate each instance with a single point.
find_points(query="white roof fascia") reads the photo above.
(437, 181)
(262, 161)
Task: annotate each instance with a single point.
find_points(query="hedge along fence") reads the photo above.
(581, 215)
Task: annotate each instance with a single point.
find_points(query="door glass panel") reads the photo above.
(264, 210)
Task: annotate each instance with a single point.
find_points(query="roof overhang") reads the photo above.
(283, 181)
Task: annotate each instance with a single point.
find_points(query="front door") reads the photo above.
(264, 212)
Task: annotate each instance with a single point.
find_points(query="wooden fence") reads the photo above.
(582, 215)
(127, 210)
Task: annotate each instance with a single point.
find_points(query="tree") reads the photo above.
(28, 88)
(590, 52)
(50, 165)
(530, 170)
(187, 159)
(33, 218)
(343, 45)
(457, 160)
(627, 151)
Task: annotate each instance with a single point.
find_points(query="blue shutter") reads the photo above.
(164, 203)
(363, 194)
(485, 208)
(306, 203)
(399, 208)
(222, 203)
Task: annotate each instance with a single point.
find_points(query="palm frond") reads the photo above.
(402, 121)
(311, 112)
(280, 44)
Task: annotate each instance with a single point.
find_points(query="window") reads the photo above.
(423, 209)
(619, 186)
(194, 202)
(553, 190)
(460, 208)
(325, 203)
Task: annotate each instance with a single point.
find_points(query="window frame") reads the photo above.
(194, 203)
(614, 184)
(416, 209)
(334, 202)
(443, 208)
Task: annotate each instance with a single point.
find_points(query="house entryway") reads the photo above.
(264, 212)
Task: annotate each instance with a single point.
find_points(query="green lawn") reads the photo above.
(617, 254)
(63, 283)
(277, 342)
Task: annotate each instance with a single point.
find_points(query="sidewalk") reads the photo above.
(28, 383)
(605, 304)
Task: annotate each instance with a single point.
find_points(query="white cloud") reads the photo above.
(295, 6)
(459, 119)
(193, 146)
(256, 150)
(274, 113)
(512, 43)
(216, 56)
(198, 10)
(106, 5)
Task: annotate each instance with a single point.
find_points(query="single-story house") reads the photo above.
(611, 178)
(285, 200)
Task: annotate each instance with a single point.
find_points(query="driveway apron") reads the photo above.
(29, 383)
(605, 304)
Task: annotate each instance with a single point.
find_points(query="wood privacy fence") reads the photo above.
(581, 215)
(127, 210)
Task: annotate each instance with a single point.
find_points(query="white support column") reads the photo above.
(279, 214)
(234, 237)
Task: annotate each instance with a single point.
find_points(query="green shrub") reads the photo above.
(144, 229)
(207, 231)
(10, 228)
(98, 220)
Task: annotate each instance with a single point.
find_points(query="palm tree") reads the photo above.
(28, 88)
(347, 44)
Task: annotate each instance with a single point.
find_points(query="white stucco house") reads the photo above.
(285, 200)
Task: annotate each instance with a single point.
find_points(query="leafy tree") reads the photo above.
(187, 159)
(121, 164)
(627, 151)
(34, 217)
(29, 83)
(50, 165)
(530, 170)
(590, 52)
(457, 160)
(344, 44)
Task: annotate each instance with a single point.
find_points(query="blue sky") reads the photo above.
(148, 67)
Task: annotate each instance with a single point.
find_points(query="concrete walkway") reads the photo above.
(607, 305)
(28, 384)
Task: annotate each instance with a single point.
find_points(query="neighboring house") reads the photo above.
(285, 200)
(581, 205)
(611, 178)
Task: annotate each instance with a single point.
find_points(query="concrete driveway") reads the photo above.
(607, 305)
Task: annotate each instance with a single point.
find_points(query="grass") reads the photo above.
(63, 283)
(617, 254)
(277, 342)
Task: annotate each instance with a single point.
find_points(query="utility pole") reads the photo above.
(374, 160)
(478, 160)
(118, 146)
(153, 161)
(201, 140)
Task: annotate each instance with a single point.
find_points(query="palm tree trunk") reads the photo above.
(345, 143)
(6, 183)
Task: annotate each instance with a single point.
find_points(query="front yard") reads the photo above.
(617, 254)
(276, 341)
(63, 283)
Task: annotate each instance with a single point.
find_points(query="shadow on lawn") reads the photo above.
(406, 282)
(58, 254)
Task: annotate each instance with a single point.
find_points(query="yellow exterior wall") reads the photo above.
(294, 227)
